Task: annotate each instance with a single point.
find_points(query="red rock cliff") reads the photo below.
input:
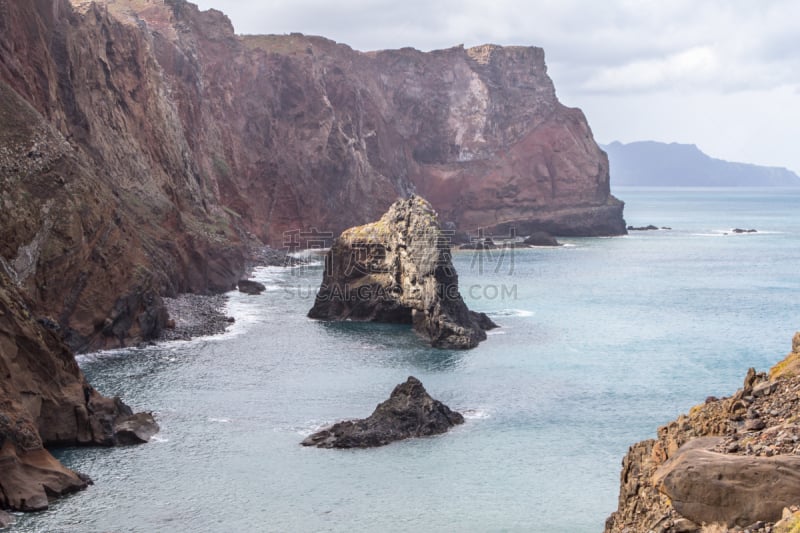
(144, 145)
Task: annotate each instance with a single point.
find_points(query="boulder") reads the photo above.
(251, 287)
(409, 412)
(740, 230)
(541, 238)
(735, 490)
(5, 519)
(135, 429)
(399, 270)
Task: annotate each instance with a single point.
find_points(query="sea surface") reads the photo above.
(602, 341)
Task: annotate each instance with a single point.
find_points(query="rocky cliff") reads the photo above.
(144, 146)
(45, 400)
(730, 464)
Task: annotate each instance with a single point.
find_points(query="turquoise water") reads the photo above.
(603, 340)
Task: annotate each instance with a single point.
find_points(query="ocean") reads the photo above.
(602, 341)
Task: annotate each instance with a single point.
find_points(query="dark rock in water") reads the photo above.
(251, 287)
(649, 227)
(409, 412)
(135, 429)
(480, 244)
(399, 270)
(541, 238)
(740, 230)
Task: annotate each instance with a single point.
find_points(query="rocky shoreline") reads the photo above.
(201, 315)
(195, 315)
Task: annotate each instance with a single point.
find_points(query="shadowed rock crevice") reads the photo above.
(399, 270)
(409, 412)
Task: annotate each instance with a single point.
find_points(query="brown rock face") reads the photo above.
(399, 270)
(711, 487)
(45, 400)
(143, 146)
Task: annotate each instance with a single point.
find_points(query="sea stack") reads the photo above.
(399, 270)
(409, 412)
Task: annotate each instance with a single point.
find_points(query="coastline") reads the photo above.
(202, 315)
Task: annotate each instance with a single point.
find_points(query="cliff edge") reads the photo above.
(730, 464)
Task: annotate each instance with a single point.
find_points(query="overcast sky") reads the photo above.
(722, 74)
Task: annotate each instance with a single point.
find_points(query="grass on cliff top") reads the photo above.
(277, 44)
(787, 368)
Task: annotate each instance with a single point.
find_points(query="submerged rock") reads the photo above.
(649, 227)
(399, 270)
(251, 287)
(740, 230)
(541, 238)
(409, 412)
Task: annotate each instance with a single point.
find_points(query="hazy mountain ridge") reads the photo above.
(657, 164)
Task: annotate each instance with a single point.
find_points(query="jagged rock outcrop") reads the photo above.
(731, 462)
(45, 400)
(409, 412)
(144, 147)
(399, 270)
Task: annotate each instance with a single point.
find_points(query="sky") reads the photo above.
(721, 74)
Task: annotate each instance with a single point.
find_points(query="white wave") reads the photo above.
(114, 353)
(310, 254)
(156, 438)
(310, 428)
(220, 420)
(512, 312)
(476, 414)
(495, 332)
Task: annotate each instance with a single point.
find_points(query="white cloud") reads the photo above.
(699, 65)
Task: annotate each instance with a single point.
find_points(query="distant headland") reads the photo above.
(657, 164)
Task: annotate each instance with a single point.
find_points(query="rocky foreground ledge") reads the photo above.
(409, 412)
(399, 270)
(731, 464)
(45, 400)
